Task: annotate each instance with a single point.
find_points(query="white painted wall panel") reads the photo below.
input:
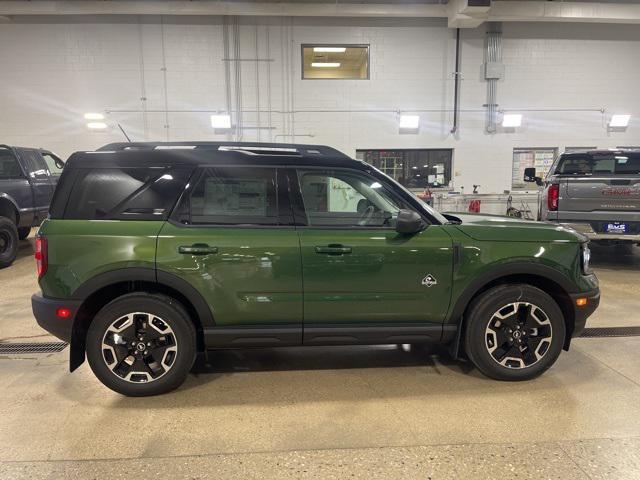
(54, 70)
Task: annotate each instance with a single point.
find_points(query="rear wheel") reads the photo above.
(8, 242)
(514, 332)
(141, 344)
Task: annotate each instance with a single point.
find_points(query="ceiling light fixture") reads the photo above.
(221, 121)
(409, 122)
(96, 125)
(325, 64)
(93, 116)
(619, 121)
(330, 49)
(511, 120)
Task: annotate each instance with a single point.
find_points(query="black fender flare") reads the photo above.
(9, 199)
(130, 274)
(143, 274)
(456, 314)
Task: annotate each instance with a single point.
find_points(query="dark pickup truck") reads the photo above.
(28, 177)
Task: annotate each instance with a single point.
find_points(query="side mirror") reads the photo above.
(408, 222)
(530, 176)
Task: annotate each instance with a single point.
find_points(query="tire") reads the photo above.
(527, 351)
(8, 242)
(120, 324)
(23, 232)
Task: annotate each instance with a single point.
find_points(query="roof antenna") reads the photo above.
(124, 133)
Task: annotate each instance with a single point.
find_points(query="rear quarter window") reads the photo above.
(124, 193)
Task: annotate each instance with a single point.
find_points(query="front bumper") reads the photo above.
(587, 230)
(581, 313)
(44, 309)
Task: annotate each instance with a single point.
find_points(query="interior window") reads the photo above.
(236, 196)
(54, 164)
(9, 167)
(347, 199)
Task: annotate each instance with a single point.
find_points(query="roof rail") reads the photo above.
(241, 147)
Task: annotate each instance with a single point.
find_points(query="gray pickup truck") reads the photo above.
(28, 178)
(597, 193)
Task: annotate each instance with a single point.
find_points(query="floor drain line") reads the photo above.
(611, 332)
(22, 348)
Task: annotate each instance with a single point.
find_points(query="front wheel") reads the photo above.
(141, 344)
(8, 242)
(514, 332)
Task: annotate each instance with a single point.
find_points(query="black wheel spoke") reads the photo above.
(518, 331)
(136, 345)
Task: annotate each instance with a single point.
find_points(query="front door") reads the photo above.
(232, 239)
(357, 270)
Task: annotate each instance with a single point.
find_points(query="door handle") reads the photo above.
(197, 249)
(333, 249)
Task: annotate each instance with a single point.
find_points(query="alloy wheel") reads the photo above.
(518, 335)
(139, 347)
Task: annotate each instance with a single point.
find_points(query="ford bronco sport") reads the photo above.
(155, 252)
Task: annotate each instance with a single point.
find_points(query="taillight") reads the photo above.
(552, 197)
(41, 256)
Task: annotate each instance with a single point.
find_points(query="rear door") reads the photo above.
(42, 184)
(232, 238)
(603, 189)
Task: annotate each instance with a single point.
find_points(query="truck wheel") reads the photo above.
(514, 332)
(141, 344)
(8, 242)
(23, 232)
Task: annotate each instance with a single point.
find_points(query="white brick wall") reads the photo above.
(54, 70)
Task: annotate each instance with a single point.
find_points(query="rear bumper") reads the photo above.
(582, 313)
(587, 230)
(44, 309)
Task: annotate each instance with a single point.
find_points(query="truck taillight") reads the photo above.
(41, 256)
(552, 197)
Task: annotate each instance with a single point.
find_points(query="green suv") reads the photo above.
(155, 252)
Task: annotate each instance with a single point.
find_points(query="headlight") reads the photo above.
(586, 258)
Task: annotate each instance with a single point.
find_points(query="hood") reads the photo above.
(498, 228)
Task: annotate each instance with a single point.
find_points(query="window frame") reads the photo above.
(285, 217)
(345, 45)
(300, 214)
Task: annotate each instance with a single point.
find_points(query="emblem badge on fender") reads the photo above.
(429, 280)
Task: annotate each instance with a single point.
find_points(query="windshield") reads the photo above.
(438, 216)
(614, 163)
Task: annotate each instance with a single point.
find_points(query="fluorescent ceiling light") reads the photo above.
(93, 116)
(330, 49)
(325, 64)
(511, 120)
(619, 120)
(409, 122)
(221, 122)
(96, 125)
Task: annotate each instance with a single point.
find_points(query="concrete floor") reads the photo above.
(363, 412)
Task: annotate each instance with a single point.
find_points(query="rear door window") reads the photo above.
(125, 193)
(9, 167)
(232, 196)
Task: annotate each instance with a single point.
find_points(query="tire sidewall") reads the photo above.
(8, 228)
(481, 312)
(171, 313)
